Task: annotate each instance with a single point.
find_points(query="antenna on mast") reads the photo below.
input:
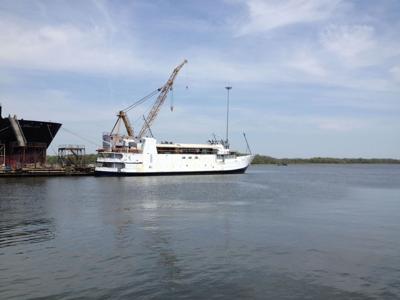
(228, 88)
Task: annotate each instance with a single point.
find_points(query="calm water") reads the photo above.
(296, 232)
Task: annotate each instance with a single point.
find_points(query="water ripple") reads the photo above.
(29, 231)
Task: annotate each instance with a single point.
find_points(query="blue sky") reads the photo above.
(309, 77)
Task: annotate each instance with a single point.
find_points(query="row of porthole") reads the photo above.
(189, 157)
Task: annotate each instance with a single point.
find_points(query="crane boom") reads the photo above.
(127, 124)
(124, 117)
(160, 100)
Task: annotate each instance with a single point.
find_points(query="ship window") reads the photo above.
(190, 157)
(183, 157)
(113, 165)
(196, 157)
(110, 155)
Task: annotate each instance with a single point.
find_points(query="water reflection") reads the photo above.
(159, 243)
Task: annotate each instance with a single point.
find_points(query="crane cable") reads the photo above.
(142, 100)
(146, 112)
(172, 97)
(79, 136)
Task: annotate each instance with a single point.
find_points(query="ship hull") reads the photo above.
(108, 173)
(34, 131)
(28, 144)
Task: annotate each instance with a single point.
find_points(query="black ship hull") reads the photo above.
(37, 136)
(34, 131)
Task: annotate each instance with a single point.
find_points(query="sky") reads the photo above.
(309, 77)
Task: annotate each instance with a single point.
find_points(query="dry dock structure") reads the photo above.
(23, 147)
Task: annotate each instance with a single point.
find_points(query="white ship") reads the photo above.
(139, 155)
(146, 157)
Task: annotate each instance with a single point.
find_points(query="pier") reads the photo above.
(41, 172)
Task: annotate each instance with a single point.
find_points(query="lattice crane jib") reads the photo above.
(160, 100)
(148, 121)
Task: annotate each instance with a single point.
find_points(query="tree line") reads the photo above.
(88, 159)
(263, 159)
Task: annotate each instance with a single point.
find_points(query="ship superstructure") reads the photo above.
(139, 154)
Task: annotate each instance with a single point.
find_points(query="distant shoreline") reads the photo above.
(268, 160)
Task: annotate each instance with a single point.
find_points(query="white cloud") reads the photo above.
(308, 63)
(63, 48)
(268, 15)
(59, 105)
(218, 68)
(340, 124)
(358, 46)
(349, 42)
(85, 49)
(395, 71)
(6, 79)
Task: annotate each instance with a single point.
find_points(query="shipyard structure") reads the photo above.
(24, 142)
